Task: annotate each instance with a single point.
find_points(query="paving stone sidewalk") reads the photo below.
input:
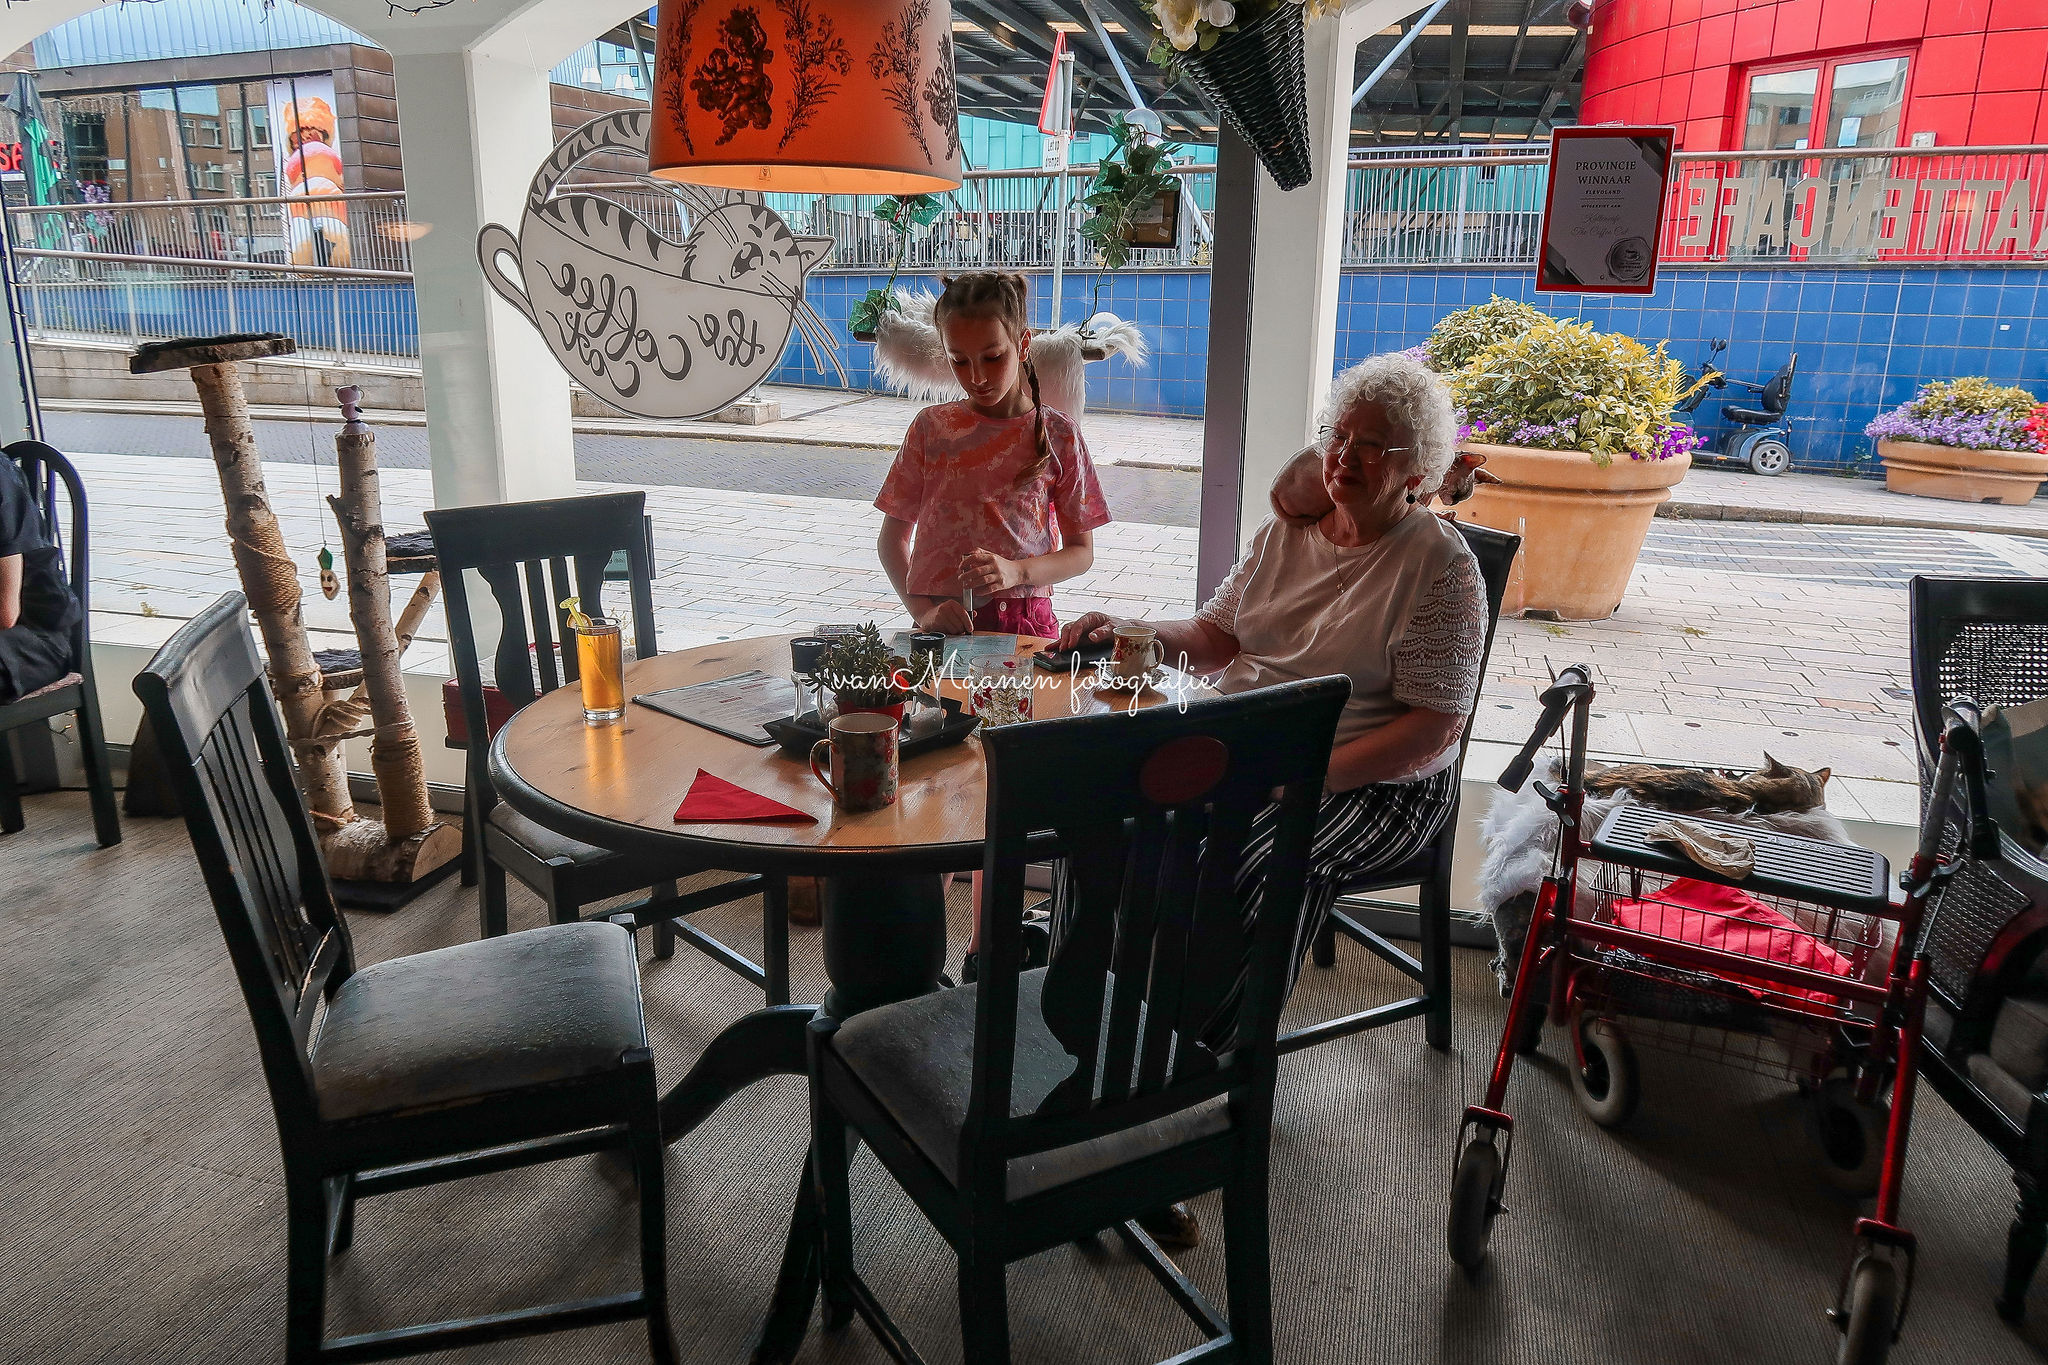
(1707, 668)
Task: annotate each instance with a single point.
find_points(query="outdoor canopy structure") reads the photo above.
(475, 114)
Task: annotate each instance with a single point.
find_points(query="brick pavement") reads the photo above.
(1699, 667)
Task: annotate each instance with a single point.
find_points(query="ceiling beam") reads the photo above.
(1567, 70)
(1522, 34)
(1461, 41)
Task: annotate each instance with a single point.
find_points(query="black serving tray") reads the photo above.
(797, 734)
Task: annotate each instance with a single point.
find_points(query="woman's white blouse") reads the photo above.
(1404, 618)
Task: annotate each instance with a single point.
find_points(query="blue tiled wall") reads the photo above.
(1865, 338)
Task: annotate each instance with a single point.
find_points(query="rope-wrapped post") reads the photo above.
(270, 579)
(410, 842)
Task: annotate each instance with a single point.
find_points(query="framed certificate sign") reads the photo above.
(1602, 210)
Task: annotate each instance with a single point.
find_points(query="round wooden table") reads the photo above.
(618, 786)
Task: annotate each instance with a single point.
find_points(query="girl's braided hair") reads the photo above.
(1006, 296)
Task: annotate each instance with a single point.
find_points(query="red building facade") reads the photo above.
(1788, 75)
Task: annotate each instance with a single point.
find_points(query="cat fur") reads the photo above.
(910, 355)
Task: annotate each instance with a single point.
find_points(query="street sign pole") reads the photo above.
(1056, 121)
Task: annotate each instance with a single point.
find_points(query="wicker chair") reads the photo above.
(1986, 640)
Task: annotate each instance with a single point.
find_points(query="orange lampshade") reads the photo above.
(806, 96)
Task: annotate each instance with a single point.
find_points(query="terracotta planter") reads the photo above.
(1925, 471)
(1582, 526)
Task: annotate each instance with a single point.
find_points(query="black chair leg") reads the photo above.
(343, 1192)
(1433, 922)
(306, 1269)
(472, 837)
(1247, 1263)
(99, 772)
(984, 1304)
(491, 911)
(648, 1154)
(664, 924)
(2023, 1248)
(1323, 952)
(11, 819)
(775, 938)
(831, 1154)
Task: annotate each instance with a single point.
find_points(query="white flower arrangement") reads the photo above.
(1198, 25)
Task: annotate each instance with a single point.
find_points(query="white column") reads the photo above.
(473, 129)
(1296, 263)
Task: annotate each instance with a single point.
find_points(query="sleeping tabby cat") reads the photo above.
(1772, 788)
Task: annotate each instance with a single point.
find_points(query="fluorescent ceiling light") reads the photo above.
(1064, 26)
(963, 26)
(1490, 31)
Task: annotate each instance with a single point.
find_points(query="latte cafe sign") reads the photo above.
(1862, 217)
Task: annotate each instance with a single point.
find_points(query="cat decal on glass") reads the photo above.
(665, 326)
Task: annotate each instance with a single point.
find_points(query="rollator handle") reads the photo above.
(1573, 685)
(1963, 746)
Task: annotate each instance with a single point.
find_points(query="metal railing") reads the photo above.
(236, 259)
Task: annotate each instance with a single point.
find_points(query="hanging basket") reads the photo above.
(1258, 79)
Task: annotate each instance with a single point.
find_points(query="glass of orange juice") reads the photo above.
(600, 663)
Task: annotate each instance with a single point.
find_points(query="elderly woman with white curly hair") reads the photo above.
(1377, 589)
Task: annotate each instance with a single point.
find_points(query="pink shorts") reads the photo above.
(1018, 616)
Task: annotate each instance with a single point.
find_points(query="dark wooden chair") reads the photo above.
(1428, 872)
(74, 693)
(480, 1057)
(533, 545)
(1986, 641)
(1099, 1087)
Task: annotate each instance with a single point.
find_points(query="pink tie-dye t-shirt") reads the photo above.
(956, 480)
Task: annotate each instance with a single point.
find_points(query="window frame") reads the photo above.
(1823, 92)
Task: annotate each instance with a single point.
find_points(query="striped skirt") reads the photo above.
(1358, 833)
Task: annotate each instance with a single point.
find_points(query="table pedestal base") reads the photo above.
(885, 940)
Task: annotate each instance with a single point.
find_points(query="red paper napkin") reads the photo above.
(712, 799)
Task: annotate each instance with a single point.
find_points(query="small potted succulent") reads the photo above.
(1578, 426)
(1967, 440)
(904, 214)
(864, 676)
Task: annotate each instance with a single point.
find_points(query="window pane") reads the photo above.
(1780, 111)
(1864, 100)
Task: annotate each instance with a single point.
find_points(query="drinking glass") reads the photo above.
(999, 691)
(601, 665)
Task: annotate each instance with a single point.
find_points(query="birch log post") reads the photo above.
(410, 842)
(270, 578)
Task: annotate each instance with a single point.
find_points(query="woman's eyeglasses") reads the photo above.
(1367, 448)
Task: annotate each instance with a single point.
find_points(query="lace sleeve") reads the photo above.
(1220, 610)
(1436, 662)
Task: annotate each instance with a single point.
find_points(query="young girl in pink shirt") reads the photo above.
(994, 495)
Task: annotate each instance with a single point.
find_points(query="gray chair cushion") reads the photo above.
(546, 1005)
(542, 842)
(1998, 1086)
(917, 1057)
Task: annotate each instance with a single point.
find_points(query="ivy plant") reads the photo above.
(1127, 182)
(904, 214)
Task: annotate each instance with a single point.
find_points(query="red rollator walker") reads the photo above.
(1800, 968)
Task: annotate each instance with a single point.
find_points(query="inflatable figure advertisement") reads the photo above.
(308, 166)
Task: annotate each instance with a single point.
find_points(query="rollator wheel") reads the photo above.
(1850, 1136)
(1873, 1313)
(1608, 1085)
(1472, 1203)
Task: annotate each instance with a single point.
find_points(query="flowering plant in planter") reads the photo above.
(1565, 386)
(1459, 336)
(1971, 413)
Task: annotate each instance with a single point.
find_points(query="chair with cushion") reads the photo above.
(423, 1069)
(1429, 873)
(1986, 641)
(1035, 1107)
(524, 552)
(74, 693)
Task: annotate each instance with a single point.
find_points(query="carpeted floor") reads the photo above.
(141, 1213)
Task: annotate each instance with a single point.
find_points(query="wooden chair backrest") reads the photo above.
(47, 470)
(225, 752)
(1152, 810)
(525, 553)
